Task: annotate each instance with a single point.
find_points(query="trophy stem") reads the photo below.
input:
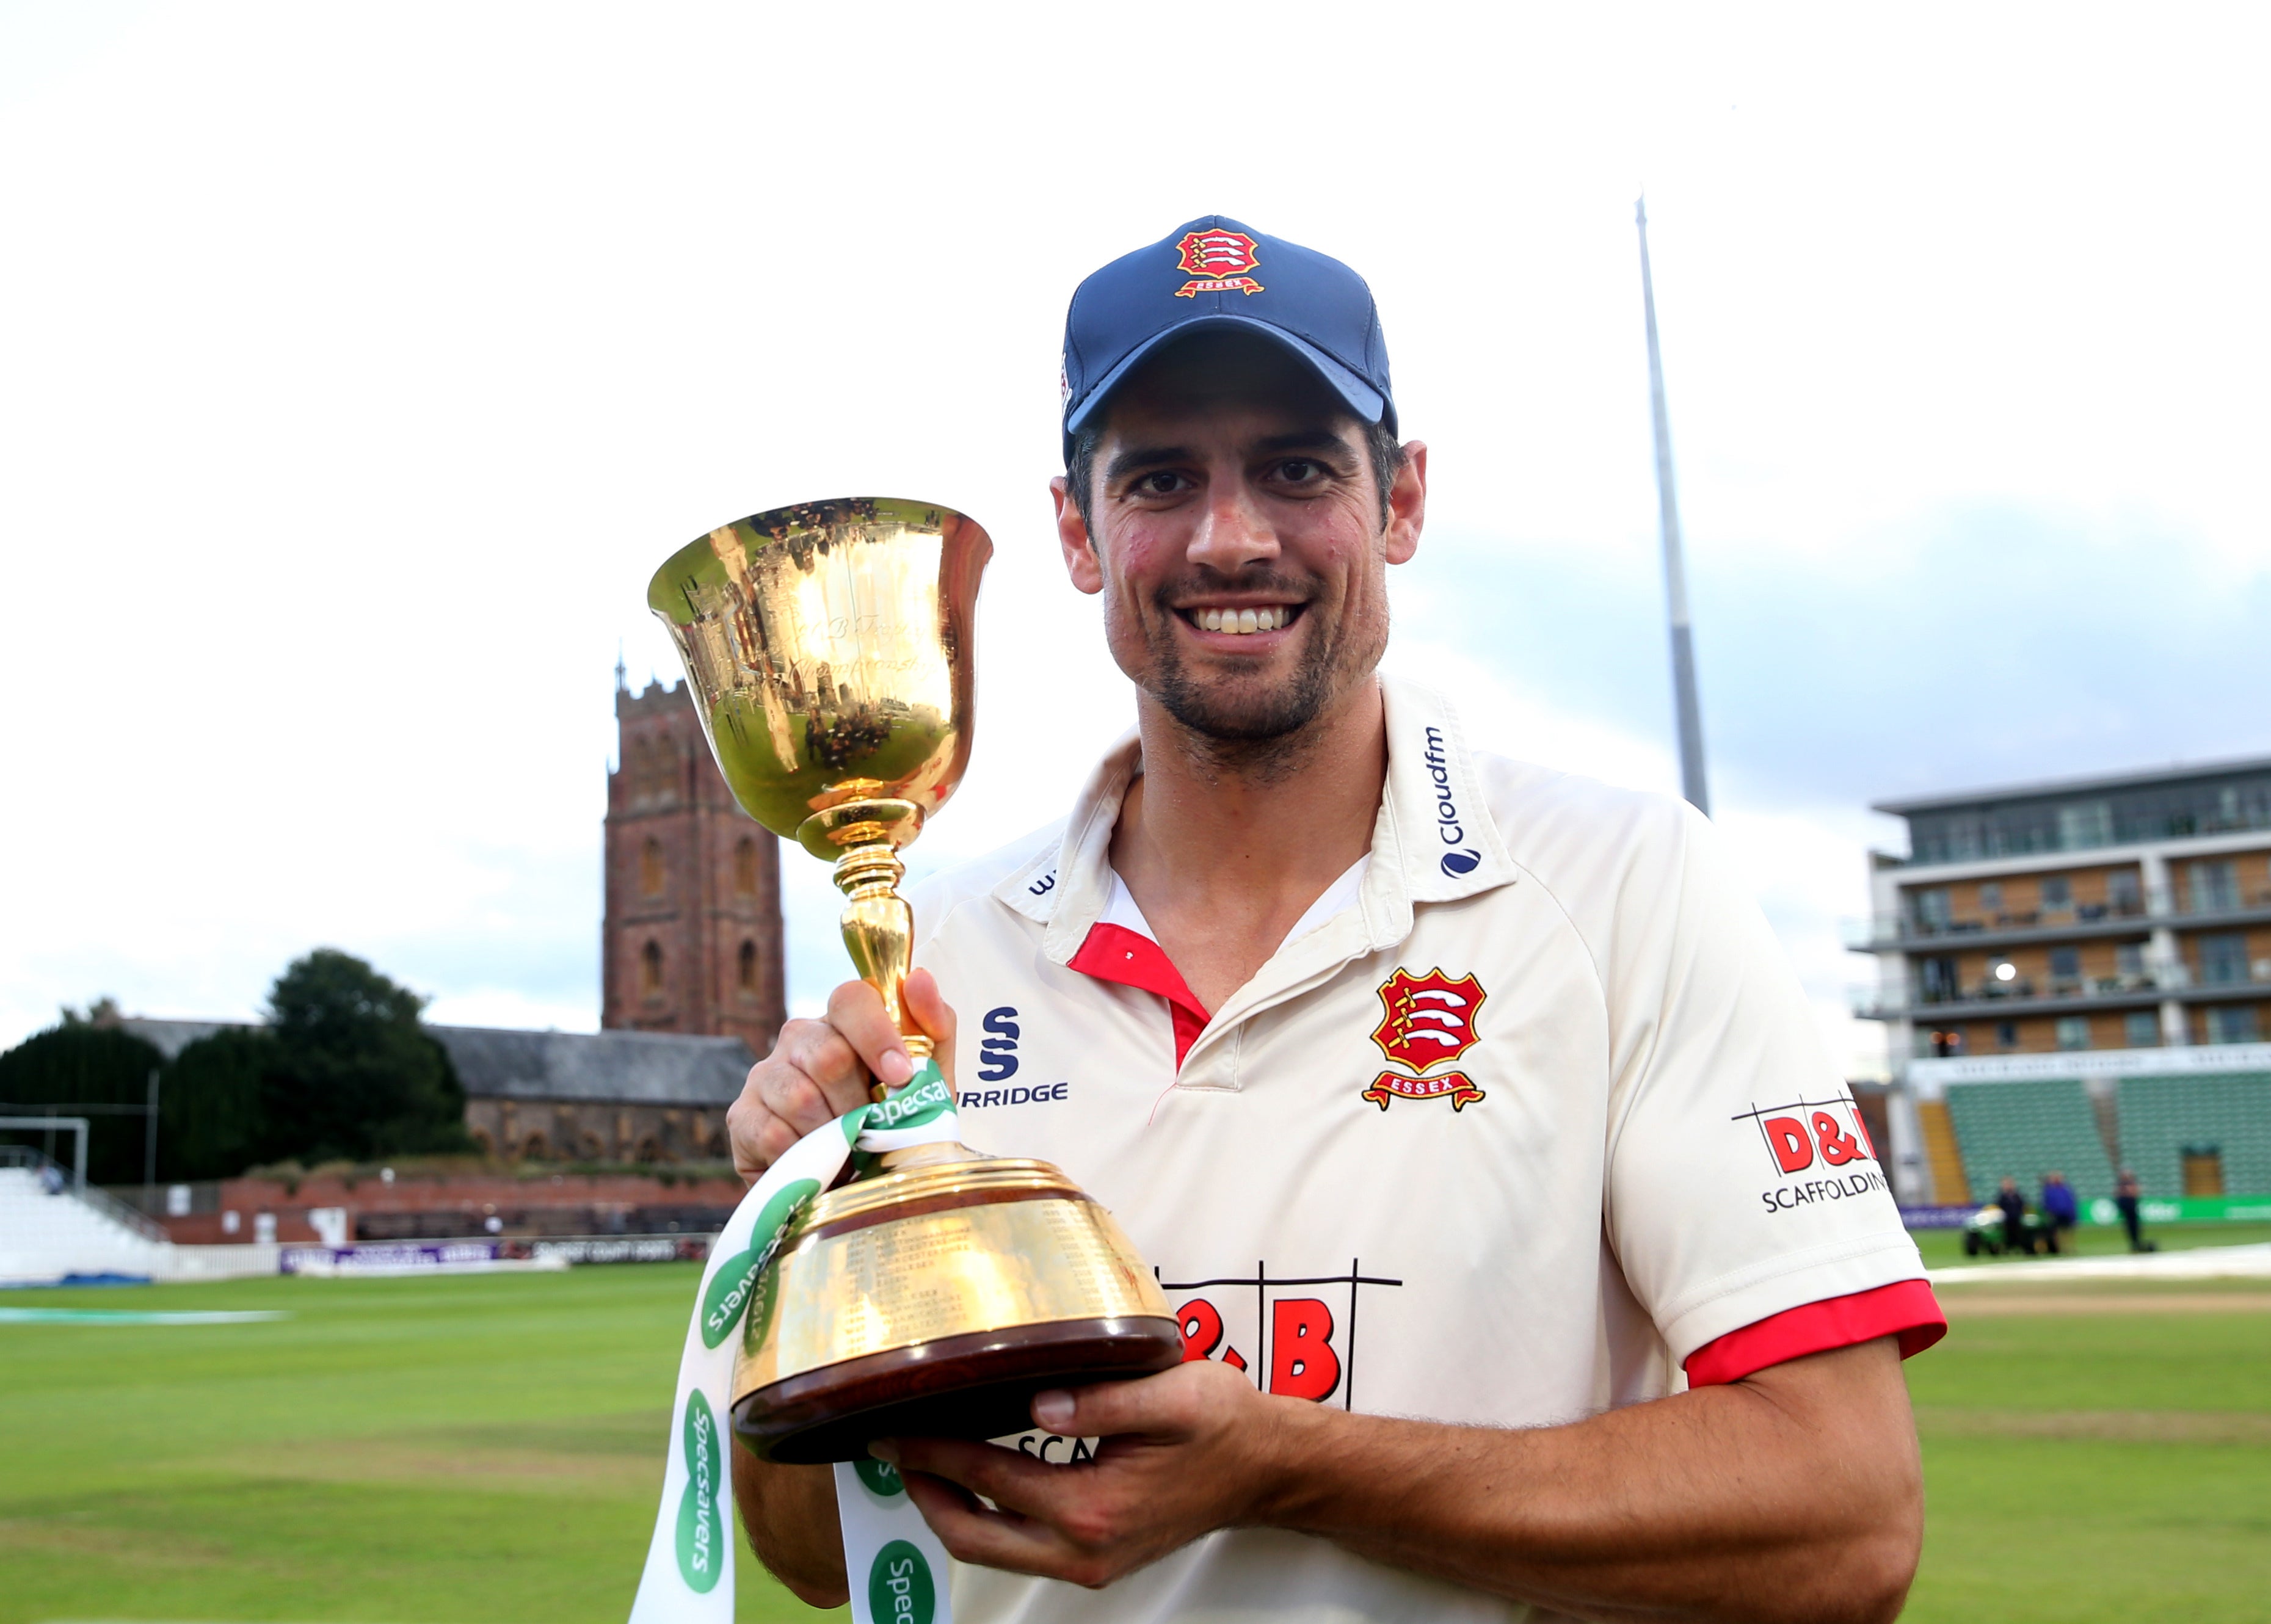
(879, 930)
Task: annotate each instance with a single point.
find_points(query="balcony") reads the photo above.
(2092, 919)
(2020, 995)
(2006, 1000)
(2083, 922)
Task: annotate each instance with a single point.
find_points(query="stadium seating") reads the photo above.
(44, 1237)
(2023, 1131)
(2162, 1116)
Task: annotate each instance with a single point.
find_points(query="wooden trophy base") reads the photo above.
(935, 1302)
(977, 1385)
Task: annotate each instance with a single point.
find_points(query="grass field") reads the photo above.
(459, 1452)
(481, 1449)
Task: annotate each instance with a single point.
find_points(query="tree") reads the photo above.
(73, 1063)
(355, 1076)
(210, 1123)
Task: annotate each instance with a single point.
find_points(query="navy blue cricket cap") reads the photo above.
(1214, 272)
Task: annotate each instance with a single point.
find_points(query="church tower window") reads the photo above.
(749, 966)
(650, 969)
(745, 867)
(650, 868)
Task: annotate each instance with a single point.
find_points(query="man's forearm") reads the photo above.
(790, 1513)
(1796, 1494)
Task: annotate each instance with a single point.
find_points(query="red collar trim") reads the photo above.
(1116, 953)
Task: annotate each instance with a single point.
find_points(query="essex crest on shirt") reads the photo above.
(1425, 1021)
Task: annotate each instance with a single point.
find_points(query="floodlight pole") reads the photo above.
(1688, 707)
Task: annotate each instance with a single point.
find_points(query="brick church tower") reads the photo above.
(692, 939)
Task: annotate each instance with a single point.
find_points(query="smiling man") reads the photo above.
(1531, 1257)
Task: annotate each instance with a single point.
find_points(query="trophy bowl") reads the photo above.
(827, 648)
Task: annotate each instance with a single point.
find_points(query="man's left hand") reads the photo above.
(1184, 1453)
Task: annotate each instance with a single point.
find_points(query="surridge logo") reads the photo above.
(1427, 1021)
(1216, 261)
(997, 1051)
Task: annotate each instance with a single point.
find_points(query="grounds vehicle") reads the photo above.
(1983, 1231)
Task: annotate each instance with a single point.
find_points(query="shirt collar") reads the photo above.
(1435, 839)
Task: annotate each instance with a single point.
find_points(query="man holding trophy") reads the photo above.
(1527, 1254)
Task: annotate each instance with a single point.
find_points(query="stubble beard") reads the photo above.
(1247, 729)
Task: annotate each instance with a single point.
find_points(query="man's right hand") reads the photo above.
(819, 1069)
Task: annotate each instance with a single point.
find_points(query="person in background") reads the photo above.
(2126, 1191)
(2015, 1237)
(2060, 1210)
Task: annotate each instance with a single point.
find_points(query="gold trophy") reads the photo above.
(827, 647)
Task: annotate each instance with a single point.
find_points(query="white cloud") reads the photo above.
(362, 363)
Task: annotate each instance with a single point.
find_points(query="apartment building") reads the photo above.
(2100, 933)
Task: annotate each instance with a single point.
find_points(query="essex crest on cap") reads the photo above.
(1215, 261)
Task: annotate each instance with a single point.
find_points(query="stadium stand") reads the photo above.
(2022, 1130)
(44, 1237)
(2163, 1117)
(50, 1237)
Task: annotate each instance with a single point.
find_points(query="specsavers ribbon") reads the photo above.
(895, 1565)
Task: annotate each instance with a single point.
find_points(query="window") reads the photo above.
(2129, 963)
(1929, 907)
(2123, 893)
(2233, 1022)
(2073, 1032)
(2086, 823)
(745, 867)
(1939, 981)
(2057, 893)
(2141, 1029)
(2006, 1034)
(2216, 887)
(748, 972)
(2223, 957)
(2066, 964)
(650, 969)
(650, 868)
(1991, 897)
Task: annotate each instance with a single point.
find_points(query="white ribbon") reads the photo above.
(895, 1565)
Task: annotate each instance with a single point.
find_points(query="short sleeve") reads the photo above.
(1741, 1181)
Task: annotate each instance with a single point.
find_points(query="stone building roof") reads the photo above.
(642, 1068)
(638, 1067)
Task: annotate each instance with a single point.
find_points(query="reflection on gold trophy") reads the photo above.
(828, 649)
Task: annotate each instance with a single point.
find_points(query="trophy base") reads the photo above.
(980, 1385)
(935, 1300)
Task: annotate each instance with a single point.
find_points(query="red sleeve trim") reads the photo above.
(1116, 953)
(1906, 1309)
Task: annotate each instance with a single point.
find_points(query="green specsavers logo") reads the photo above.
(701, 1520)
(900, 1589)
(925, 1098)
(880, 1478)
(730, 1288)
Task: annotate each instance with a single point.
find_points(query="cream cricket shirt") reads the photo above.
(1536, 1117)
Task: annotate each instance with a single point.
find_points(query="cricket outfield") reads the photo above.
(488, 1451)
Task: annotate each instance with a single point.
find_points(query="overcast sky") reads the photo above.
(358, 365)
